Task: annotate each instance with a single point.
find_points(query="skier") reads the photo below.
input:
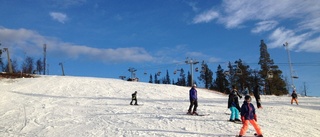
(248, 115)
(294, 97)
(233, 105)
(193, 100)
(246, 90)
(134, 98)
(257, 96)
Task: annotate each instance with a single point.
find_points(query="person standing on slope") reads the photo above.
(248, 115)
(233, 104)
(193, 97)
(246, 90)
(294, 97)
(134, 98)
(257, 96)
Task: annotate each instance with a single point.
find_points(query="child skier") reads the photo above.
(134, 98)
(248, 115)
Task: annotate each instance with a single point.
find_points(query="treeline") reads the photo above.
(29, 66)
(268, 79)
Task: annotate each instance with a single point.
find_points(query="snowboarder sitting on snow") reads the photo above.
(233, 105)
(248, 115)
(134, 98)
(294, 97)
(193, 100)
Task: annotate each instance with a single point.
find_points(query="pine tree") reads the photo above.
(167, 78)
(182, 79)
(39, 66)
(150, 80)
(275, 85)
(243, 74)
(220, 83)
(189, 79)
(206, 75)
(27, 65)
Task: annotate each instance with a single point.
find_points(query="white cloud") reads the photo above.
(281, 35)
(69, 3)
(264, 26)
(206, 17)
(32, 42)
(193, 5)
(61, 17)
(300, 18)
(311, 45)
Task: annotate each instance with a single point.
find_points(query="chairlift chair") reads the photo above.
(238, 71)
(270, 74)
(197, 69)
(159, 72)
(294, 75)
(226, 73)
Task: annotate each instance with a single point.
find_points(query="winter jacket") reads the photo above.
(233, 100)
(193, 94)
(294, 95)
(134, 95)
(247, 111)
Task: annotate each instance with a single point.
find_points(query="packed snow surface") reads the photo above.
(56, 106)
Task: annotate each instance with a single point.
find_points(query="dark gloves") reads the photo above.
(255, 118)
(242, 119)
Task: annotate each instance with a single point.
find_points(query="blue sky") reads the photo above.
(103, 38)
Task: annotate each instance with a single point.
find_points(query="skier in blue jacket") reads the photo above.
(193, 100)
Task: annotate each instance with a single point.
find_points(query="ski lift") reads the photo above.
(145, 73)
(122, 77)
(295, 75)
(197, 69)
(159, 72)
(226, 73)
(270, 74)
(238, 70)
(175, 72)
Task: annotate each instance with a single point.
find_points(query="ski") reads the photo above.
(254, 135)
(198, 114)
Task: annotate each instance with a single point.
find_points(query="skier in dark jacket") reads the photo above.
(294, 97)
(134, 98)
(257, 96)
(193, 97)
(248, 115)
(233, 105)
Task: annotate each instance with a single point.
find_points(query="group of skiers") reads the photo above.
(246, 111)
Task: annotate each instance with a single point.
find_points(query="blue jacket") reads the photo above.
(193, 94)
(247, 111)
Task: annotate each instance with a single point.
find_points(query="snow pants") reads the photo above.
(295, 100)
(234, 113)
(194, 104)
(246, 126)
(136, 101)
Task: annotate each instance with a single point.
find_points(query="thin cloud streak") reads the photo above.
(32, 42)
(60, 17)
(270, 17)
